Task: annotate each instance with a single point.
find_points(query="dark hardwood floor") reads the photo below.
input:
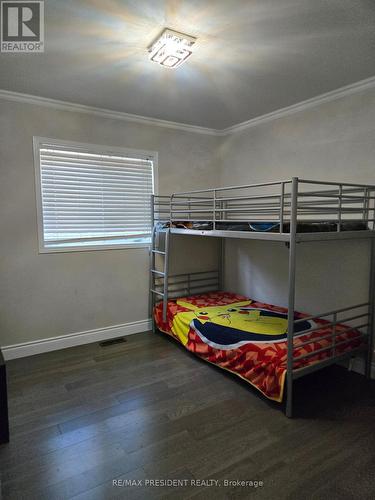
(147, 409)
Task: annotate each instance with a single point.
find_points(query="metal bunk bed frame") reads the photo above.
(286, 204)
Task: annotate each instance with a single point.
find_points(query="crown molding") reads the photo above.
(8, 95)
(339, 93)
(354, 88)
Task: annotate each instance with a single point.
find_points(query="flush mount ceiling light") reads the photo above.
(171, 49)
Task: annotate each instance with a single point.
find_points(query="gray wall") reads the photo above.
(47, 295)
(333, 141)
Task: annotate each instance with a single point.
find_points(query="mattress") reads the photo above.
(248, 338)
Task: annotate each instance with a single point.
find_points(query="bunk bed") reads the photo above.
(266, 345)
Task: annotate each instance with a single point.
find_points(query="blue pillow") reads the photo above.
(263, 226)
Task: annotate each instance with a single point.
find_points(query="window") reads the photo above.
(92, 197)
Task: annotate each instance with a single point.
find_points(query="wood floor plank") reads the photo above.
(146, 408)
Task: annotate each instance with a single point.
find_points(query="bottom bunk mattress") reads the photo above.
(248, 338)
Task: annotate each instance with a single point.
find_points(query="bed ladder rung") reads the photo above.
(157, 293)
(158, 252)
(161, 273)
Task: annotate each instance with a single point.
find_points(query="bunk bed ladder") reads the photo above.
(152, 290)
(158, 274)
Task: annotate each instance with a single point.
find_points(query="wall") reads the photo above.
(332, 141)
(49, 295)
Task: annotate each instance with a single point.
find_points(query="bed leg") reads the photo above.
(291, 297)
(153, 323)
(289, 398)
(370, 331)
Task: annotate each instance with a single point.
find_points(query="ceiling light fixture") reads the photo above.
(171, 48)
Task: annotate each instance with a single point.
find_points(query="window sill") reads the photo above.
(69, 248)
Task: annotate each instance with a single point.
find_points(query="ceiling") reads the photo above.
(251, 57)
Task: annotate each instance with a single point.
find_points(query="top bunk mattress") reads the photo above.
(248, 338)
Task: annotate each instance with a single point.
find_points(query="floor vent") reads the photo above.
(119, 340)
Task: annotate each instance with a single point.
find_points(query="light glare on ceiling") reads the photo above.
(171, 49)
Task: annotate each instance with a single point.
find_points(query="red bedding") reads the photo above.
(247, 338)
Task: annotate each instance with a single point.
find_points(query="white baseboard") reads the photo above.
(74, 339)
(358, 365)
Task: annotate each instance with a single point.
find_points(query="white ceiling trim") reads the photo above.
(354, 88)
(339, 93)
(104, 113)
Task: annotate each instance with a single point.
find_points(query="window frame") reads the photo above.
(95, 148)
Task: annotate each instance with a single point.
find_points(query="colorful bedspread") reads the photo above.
(248, 338)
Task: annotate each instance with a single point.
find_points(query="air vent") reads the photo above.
(106, 343)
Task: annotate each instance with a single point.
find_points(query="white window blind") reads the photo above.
(90, 197)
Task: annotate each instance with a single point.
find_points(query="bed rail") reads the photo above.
(356, 318)
(183, 285)
(271, 202)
